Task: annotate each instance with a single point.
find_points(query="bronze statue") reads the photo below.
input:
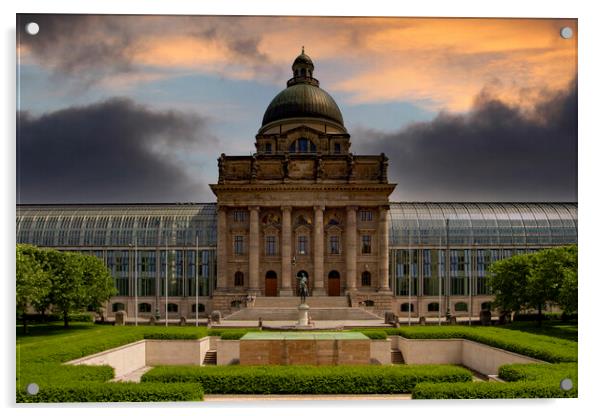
(303, 291)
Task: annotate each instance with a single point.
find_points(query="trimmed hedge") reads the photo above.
(168, 336)
(233, 334)
(54, 375)
(524, 381)
(113, 392)
(308, 379)
(542, 372)
(375, 334)
(542, 347)
(492, 390)
(87, 317)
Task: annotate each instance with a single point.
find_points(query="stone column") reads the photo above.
(254, 250)
(351, 247)
(286, 249)
(318, 286)
(383, 249)
(222, 249)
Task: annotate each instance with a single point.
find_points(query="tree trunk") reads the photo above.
(24, 319)
(539, 316)
(65, 319)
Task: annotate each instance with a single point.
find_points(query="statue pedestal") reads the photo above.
(303, 315)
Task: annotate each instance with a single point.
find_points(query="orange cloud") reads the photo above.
(439, 62)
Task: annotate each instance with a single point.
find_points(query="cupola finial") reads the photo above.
(302, 50)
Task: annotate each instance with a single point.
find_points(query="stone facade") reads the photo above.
(335, 229)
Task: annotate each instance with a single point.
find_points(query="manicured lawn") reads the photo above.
(557, 329)
(41, 352)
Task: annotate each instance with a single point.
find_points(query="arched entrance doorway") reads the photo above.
(300, 274)
(334, 283)
(271, 283)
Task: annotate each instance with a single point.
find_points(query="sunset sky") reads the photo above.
(138, 108)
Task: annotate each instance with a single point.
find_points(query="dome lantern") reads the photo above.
(303, 98)
(303, 70)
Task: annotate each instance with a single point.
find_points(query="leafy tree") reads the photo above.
(508, 279)
(69, 293)
(547, 276)
(32, 282)
(98, 282)
(66, 281)
(532, 280)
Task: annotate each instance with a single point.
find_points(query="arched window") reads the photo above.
(404, 307)
(118, 307)
(302, 145)
(239, 279)
(486, 306)
(201, 307)
(433, 307)
(461, 307)
(366, 279)
(144, 307)
(172, 307)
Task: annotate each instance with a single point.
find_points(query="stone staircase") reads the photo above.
(322, 308)
(396, 357)
(293, 302)
(210, 358)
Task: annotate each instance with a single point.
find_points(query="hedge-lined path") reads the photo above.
(293, 397)
(134, 376)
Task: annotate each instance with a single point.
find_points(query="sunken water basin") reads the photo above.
(313, 348)
(305, 348)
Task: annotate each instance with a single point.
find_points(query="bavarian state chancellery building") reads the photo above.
(302, 204)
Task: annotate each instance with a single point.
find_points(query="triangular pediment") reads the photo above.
(304, 130)
(270, 229)
(334, 228)
(302, 227)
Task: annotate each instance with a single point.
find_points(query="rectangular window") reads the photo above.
(238, 245)
(240, 216)
(365, 215)
(302, 244)
(366, 244)
(270, 245)
(337, 148)
(268, 147)
(335, 247)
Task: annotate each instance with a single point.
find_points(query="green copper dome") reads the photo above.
(303, 97)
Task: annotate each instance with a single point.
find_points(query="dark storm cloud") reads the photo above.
(495, 152)
(89, 48)
(112, 151)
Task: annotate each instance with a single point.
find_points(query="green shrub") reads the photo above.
(524, 381)
(173, 335)
(53, 317)
(375, 334)
(233, 334)
(491, 390)
(549, 372)
(53, 374)
(308, 379)
(542, 347)
(113, 392)
(82, 317)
